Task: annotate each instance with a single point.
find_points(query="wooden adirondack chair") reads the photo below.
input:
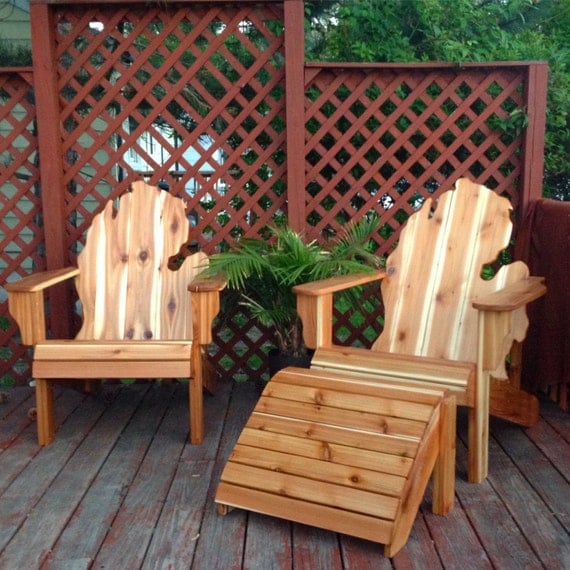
(438, 306)
(349, 445)
(139, 319)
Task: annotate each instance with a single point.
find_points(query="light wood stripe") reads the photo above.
(311, 491)
(348, 475)
(377, 460)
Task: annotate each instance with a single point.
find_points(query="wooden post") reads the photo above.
(295, 110)
(533, 136)
(51, 161)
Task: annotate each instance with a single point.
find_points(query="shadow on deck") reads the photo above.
(120, 488)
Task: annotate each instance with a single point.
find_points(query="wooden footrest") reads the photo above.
(351, 455)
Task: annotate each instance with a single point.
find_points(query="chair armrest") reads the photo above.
(26, 301)
(205, 306)
(512, 296)
(41, 280)
(315, 305)
(207, 284)
(335, 284)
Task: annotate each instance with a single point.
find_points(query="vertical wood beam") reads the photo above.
(295, 111)
(51, 159)
(478, 428)
(533, 136)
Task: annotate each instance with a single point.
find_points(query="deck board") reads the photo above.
(120, 487)
(497, 531)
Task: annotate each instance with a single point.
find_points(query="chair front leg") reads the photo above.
(196, 412)
(45, 411)
(478, 434)
(195, 393)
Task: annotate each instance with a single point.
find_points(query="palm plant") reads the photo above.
(264, 271)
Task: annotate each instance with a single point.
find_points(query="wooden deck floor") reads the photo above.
(120, 489)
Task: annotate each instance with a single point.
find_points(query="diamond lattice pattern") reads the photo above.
(192, 99)
(382, 142)
(21, 232)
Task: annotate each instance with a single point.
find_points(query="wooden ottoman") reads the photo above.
(348, 454)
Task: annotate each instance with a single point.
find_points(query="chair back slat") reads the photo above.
(434, 275)
(125, 286)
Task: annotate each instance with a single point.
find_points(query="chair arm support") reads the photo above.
(26, 301)
(502, 320)
(512, 296)
(205, 306)
(315, 305)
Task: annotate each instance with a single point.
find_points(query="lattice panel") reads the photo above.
(21, 233)
(382, 140)
(240, 344)
(190, 97)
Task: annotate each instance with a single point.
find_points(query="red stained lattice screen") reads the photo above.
(383, 139)
(188, 98)
(212, 100)
(21, 231)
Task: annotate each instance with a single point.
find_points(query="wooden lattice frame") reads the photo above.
(382, 140)
(21, 228)
(316, 167)
(114, 98)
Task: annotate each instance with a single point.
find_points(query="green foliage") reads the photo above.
(263, 271)
(7, 381)
(14, 55)
(5, 323)
(459, 31)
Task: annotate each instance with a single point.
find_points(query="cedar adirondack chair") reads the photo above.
(139, 319)
(438, 306)
(350, 444)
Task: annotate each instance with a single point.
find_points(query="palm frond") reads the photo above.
(265, 270)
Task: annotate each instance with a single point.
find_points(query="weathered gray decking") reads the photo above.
(120, 489)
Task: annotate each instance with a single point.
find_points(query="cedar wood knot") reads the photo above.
(326, 454)
(318, 397)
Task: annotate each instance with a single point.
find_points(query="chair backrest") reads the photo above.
(125, 287)
(434, 274)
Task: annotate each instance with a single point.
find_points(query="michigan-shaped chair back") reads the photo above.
(324, 446)
(443, 263)
(127, 290)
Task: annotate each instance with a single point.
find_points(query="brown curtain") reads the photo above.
(545, 246)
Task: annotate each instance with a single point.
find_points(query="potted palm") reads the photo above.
(263, 271)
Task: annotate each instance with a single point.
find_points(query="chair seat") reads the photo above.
(345, 453)
(131, 359)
